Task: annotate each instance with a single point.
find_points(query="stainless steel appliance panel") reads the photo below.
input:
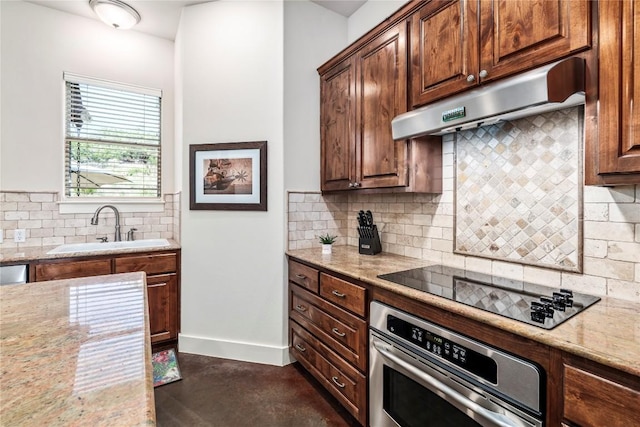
(409, 387)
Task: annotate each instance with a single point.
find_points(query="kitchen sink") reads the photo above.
(109, 246)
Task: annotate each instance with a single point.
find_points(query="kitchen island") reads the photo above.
(76, 352)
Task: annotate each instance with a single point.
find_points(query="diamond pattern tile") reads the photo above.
(518, 190)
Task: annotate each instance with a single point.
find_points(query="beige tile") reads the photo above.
(609, 268)
(625, 290)
(622, 232)
(624, 251)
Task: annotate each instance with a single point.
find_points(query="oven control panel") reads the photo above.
(472, 361)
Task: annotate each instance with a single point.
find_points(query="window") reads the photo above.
(112, 140)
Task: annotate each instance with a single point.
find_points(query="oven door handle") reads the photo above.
(455, 398)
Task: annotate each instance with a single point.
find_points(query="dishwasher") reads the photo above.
(13, 274)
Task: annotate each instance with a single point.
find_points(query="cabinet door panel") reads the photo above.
(72, 269)
(343, 332)
(382, 94)
(151, 264)
(517, 35)
(162, 295)
(331, 370)
(619, 121)
(337, 133)
(344, 294)
(593, 401)
(443, 50)
(304, 276)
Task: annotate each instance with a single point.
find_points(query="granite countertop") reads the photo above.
(35, 253)
(76, 352)
(606, 332)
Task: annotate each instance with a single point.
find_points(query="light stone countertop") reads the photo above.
(76, 352)
(35, 253)
(608, 332)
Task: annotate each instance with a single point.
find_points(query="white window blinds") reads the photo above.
(112, 140)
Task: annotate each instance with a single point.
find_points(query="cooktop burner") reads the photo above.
(530, 303)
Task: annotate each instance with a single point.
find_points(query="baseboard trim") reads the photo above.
(246, 352)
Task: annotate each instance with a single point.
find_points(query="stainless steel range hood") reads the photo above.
(551, 87)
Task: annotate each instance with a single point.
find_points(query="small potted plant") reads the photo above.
(327, 240)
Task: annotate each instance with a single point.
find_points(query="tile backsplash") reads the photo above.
(422, 226)
(519, 189)
(39, 215)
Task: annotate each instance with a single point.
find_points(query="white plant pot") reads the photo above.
(326, 249)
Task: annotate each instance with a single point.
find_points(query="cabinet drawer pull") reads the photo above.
(336, 382)
(301, 348)
(338, 294)
(337, 332)
(301, 276)
(301, 308)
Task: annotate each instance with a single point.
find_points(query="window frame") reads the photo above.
(88, 204)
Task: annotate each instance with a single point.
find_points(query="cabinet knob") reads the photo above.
(483, 74)
(356, 184)
(301, 308)
(300, 348)
(351, 184)
(471, 78)
(301, 276)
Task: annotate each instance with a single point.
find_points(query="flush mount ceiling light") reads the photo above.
(115, 13)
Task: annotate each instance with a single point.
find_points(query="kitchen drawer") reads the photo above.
(591, 400)
(344, 294)
(343, 381)
(304, 276)
(338, 329)
(70, 270)
(151, 264)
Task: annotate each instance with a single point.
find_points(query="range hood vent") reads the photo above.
(551, 87)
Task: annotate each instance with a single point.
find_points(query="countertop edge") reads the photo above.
(39, 253)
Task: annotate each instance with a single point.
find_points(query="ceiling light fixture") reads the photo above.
(115, 13)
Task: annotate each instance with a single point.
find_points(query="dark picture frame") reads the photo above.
(228, 176)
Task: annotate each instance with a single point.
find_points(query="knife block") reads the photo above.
(369, 242)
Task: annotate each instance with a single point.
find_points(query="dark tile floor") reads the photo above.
(226, 393)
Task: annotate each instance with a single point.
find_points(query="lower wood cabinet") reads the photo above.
(328, 321)
(595, 396)
(162, 294)
(328, 334)
(163, 284)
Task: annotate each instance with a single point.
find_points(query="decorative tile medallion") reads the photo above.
(519, 190)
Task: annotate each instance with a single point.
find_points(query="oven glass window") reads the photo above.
(412, 405)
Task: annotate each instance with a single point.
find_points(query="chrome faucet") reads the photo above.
(94, 220)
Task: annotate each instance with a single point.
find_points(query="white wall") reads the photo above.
(312, 35)
(371, 14)
(231, 80)
(37, 45)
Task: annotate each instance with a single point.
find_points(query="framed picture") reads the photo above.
(228, 176)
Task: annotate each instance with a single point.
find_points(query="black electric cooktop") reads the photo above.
(530, 303)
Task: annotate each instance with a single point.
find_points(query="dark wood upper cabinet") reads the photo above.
(361, 90)
(359, 97)
(337, 126)
(456, 45)
(444, 49)
(381, 90)
(612, 151)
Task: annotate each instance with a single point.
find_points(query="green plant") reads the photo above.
(327, 239)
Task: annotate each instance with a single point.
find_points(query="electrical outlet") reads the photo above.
(1, 235)
(20, 235)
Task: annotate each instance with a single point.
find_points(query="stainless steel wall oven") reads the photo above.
(423, 375)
